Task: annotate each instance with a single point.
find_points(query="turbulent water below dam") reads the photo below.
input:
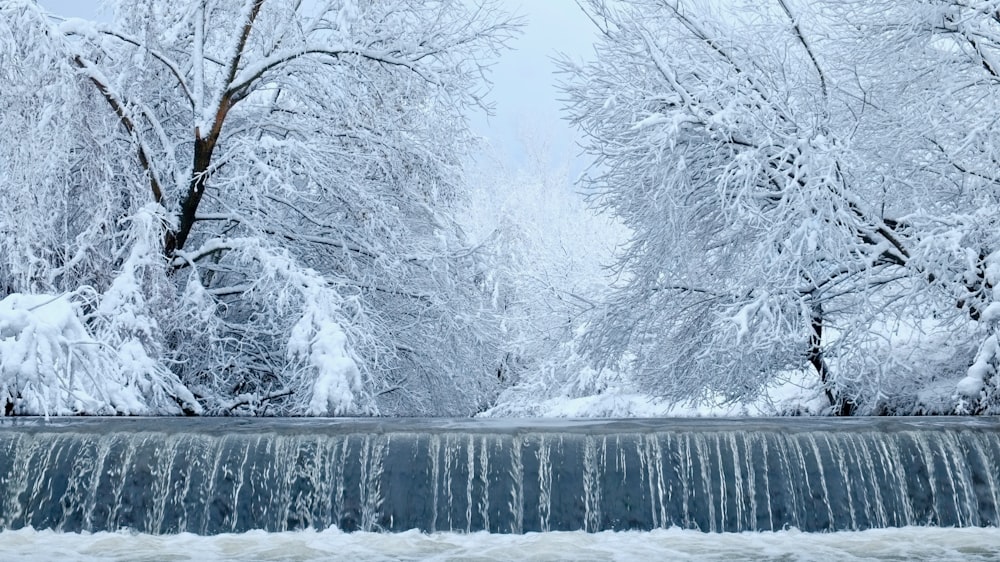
(902, 545)
(213, 476)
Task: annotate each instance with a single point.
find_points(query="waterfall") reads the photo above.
(212, 476)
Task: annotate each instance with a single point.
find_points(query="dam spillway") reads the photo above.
(210, 476)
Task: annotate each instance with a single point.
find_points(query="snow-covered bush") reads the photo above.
(50, 364)
(979, 390)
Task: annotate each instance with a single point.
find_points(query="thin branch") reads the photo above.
(241, 85)
(805, 44)
(118, 106)
(171, 65)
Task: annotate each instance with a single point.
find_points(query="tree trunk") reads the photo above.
(840, 404)
(203, 149)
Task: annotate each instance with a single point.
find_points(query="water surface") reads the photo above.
(911, 543)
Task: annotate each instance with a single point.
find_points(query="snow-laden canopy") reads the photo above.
(252, 199)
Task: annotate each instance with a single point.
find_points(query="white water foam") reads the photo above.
(909, 543)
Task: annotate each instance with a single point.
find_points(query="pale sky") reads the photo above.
(524, 93)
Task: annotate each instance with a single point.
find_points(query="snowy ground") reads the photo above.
(797, 392)
(910, 543)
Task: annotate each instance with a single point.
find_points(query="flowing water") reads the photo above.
(903, 545)
(696, 486)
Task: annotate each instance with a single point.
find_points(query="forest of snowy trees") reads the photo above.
(255, 207)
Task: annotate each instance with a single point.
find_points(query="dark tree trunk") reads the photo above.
(841, 405)
(204, 146)
(203, 149)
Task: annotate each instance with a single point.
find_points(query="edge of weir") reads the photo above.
(505, 426)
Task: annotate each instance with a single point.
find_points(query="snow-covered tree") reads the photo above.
(795, 175)
(259, 193)
(951, 105)
(549, 254)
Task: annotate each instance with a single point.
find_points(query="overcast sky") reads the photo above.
(524, 93)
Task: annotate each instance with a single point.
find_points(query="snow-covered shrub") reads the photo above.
(50, 364)
(979, 390)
